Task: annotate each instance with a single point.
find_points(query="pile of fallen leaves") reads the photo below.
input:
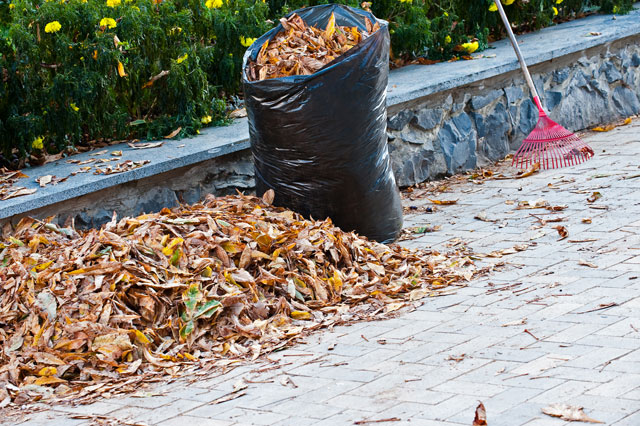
(302, 50)
(228, 279)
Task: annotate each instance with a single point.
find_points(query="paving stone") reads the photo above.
(194, 421)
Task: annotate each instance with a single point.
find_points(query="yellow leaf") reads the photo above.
(43, 266)
(121, 71)
(48, 371)
(207, 272)
(331, 27)
(170, 248)
(443, 202)
(49, 380)
(140, 337)
(230, 247)
(300, 315)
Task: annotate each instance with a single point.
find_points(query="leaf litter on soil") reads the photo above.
(303, 50)
(85, 313)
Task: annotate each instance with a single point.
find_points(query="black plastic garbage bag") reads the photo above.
(319, 141)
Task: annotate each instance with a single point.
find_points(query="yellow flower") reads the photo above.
(470, 47)
(108, 22)
(508, 2)
(446, 14)
(493, 7)
(213, 4)
(52, 27)
(37, 143)
(246, 42)
(406, 1)
(74, 107)
(447, 39)
(555, 11)
(113, 3)
(206, 119)
(182, 58)
(12, 6)
(559, 1)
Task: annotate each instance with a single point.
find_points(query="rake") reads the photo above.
(549, 144)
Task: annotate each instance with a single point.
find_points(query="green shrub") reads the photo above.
(77, 71)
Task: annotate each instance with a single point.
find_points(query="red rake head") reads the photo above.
(552, 146)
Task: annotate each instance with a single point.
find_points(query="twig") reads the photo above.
(635, 329)
(297, 354)
(513, 377)
(530, 334)
(613, 359)
(600, 308)
(364, 422)
(365, 339)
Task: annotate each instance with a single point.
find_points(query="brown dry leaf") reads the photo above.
(586, 220)
(530, 171)
(593, 197)
(443, 202)
(173, 134)
(303, 50)
(568, 412)
(125, 166)
(238, 113)
(562, 231)
(268, 197)
(18, 192)
(44, 180)
(585, 263)
(225, 280)
(480, 418)
(539, 203)
(147, 145)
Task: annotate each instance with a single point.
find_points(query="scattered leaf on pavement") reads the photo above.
(568, 412)
(585, 263)
(530, 171)
(596, 195)
(443, 202)
(562, 231)
(481, 416)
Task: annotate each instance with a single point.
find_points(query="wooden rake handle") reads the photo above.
(523, 64)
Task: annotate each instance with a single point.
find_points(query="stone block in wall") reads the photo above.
(513, 94)
(495, 144)
(481, 101)
(625, 101)
(400, 120)
(457, 139)
(428, 118)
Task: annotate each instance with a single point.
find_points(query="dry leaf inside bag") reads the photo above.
(300, 49)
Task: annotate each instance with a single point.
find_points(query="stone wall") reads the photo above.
(473, 125)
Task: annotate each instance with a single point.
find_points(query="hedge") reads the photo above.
(76, 72)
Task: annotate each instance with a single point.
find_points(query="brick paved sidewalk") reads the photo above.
(432, 366)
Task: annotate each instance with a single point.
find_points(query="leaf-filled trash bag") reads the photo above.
(319, 141)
